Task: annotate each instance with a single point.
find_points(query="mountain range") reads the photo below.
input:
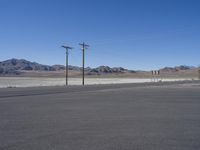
(21, 66)
(17, 66)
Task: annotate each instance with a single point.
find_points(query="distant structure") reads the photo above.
(83, 47)
(155, 75)
(66, 68)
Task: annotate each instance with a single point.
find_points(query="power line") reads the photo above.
(66, 68)
(83, 47)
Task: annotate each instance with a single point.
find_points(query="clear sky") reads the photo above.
(135, 34)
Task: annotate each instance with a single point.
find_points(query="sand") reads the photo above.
(6, 82)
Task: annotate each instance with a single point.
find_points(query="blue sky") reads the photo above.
(135, 34)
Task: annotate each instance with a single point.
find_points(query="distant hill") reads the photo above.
(14, 66)
(177, 68)
(17, 66)
(22, 67)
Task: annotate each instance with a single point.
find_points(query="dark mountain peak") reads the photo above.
(107, 69)
(58, 67)
(15, 66)
(177, 68)
(184, 67)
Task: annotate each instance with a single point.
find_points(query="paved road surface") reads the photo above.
(106, 117)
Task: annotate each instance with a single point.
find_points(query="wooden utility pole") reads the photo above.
(66, 67)
(83, 47)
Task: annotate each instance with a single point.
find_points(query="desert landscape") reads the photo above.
(23, 73)
(99, 75)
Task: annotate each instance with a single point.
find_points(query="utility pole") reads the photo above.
(66, 68)
(84, 46)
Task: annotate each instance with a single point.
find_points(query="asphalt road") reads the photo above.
(107, 117)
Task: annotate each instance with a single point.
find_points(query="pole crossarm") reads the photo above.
(66, 47)
(84, 46)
